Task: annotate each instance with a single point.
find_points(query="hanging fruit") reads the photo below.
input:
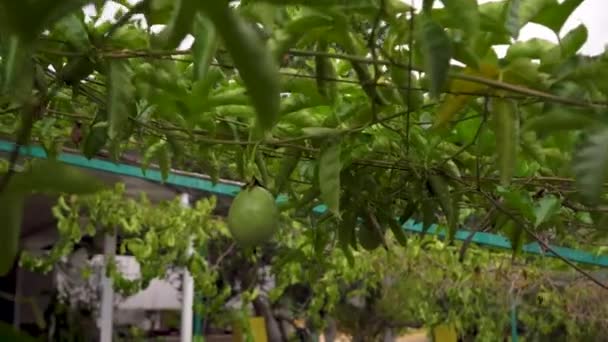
(253, 216)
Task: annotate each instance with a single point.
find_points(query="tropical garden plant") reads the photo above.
(378, 111)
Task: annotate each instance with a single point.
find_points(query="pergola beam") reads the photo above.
(231, 188)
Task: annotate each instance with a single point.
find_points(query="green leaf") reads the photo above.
(493, 18)
(154, 151)
(325, 74)
(512, 22)
(202, 88)
(176, 147)
(528, 9)
(506, 128)
(464, 53)
(329, 176)
(320, 131)
(308, 197)
(534, 48)
(560, 119)
(10, 230)
(523, 71)
(573, 41)
(570, 89)
(591, 165)
(72, 30)
(442, 193)
(27, 19)
(533, 148)
(465, 12)
(129, 37)
(254, 62)
(96, 139)
(398, 232)
(97, 135)
(288, 165)
(48, 12)
(519, 201)
(53, 177)
(296, 29)
(231, 97)
(584, 71)
(304, 86)
(346, 230)
(428, 214)
(545, 209)
(260, 163)
(437, 52)
(121, 95)
(164, 161)
(263, 13)
(76, 70)
(338, 5)
(159, 12)
(554, 15)
(515, 233)
(353, 44)
(17, 73)
(409, 210)
(499, 220)
(294, 103)
(179, 25)
(411, 98)
(204, 47)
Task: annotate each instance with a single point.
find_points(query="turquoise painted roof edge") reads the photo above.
(492, 240)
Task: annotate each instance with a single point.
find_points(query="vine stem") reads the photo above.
(540, 241)
(137, 8)
(353, 58)
(31, 110)
(409, 81)
(289, 142)
(383, 84)
(277, 142)
(471, 78)
(28, 114)
(216, 265)
(483, 226)
(475, 137)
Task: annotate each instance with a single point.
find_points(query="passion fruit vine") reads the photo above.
(253, 216)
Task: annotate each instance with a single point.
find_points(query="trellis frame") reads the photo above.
(230, 188)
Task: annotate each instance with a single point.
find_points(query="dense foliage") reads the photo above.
(373, 108)
(425, 284)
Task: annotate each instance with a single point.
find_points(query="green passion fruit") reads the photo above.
(253, 216)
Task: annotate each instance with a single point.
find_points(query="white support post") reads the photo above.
(107, 296)
(187, 292)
